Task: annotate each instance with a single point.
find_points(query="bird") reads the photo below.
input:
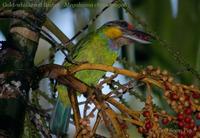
(99, 47)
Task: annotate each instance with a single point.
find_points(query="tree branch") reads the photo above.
(53, 71)
(75, 107)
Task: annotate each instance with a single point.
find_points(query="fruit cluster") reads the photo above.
(185, 102)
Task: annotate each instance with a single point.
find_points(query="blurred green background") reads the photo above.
(177, 22)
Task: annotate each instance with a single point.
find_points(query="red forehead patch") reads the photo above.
(130, 26)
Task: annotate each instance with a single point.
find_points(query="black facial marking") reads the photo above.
(122, 24)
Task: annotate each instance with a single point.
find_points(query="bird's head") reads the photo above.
(123, 33)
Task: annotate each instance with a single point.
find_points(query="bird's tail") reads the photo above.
(60, 118)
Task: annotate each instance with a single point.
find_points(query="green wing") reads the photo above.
(94, 49)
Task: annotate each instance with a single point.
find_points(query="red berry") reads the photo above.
(187, 97)
(174, 96)
(188, 111)
(140, 130)
(180, 116)
(187, 126)
(191, 133)
(181, 134)
(180, 124)
(167, 86)
(145, 131)
(148, 125)
(196, 95)
(198, 116)
(192, 125)
(187, 119)
(156, 116)
(146, 114)
(165, 121)
(124, 126)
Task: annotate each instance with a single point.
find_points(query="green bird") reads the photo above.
(100, 47)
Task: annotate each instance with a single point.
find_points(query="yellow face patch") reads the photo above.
(113, 32)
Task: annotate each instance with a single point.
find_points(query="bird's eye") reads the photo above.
(124, 24)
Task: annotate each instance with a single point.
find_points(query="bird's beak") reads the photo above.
(138, 36)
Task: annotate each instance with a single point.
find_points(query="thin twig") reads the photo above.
(74, 103)
(123, 108)
(91, 113)
(108, 79)
(132, 121)
(56, 31)
(96, 124)
(86, 107)
(125, 87)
